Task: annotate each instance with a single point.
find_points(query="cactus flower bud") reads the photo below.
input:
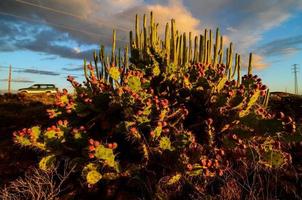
(189, 167)
(209, 121)
(114, 145)
(280, 115)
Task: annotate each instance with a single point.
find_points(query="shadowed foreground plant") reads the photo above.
(38, 184)
(176, 116)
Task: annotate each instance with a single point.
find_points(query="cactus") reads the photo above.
(47, 163)
(216, 47)
(174, 179)
(134, 83)
(114, 73)
(172, 102)
(93, 177)
(165, 144)
(106, 155)
(250, 64)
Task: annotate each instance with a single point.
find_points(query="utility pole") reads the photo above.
(9, 79)
(295, 70)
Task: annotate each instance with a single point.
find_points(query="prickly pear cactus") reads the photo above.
(173, 108)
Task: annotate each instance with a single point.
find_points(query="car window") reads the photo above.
(34, 86)
(50, 86)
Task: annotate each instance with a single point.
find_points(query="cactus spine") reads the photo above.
(235, 67)
(195, 59)
(95, 58)
(145, 34)
(238, 72)
(266, 98)
(152, 31)
(250, 64)
(185, 57)
(173, 47)
(167, 44)
(221, 50)
(180, 50)
(210, 47)
(113, 48)
(201, 48)
(131, 41)
(216, 47)
(205, 47)
(137, 32)
(230, 60)
(190, 46)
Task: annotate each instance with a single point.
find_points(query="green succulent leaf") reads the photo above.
(197, 170)
(114, 73)
(47, 162)
(36, 131)
(174, 179)
(64, 99)
(23, 141)
(107, 155)
(220, 84)
(273, 159)
(250, 103)
(165, 143)
(157, 131)
(93, 177)
(89, 167)
(156, 70)
(134, 83)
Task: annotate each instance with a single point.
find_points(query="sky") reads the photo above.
(44, 41)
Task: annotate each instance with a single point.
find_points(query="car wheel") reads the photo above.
(23, 93)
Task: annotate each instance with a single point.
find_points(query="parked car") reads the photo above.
(39, 88)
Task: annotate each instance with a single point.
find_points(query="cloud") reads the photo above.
(185, 22)
(282, 47)
(40, 72)
(254, 18)
(18, 80)
(231, 29)
(116, 6)
(72, 20)
(88, 22)
(259, 61)
(40, 38)
(49, 58)
(243, 22)
(77, 50)
(79, 68)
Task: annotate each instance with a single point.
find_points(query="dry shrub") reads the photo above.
(38, 184)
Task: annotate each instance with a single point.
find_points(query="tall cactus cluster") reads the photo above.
(176, 114)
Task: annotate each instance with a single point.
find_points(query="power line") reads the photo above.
(96, 35)
(24, 68)
(295, 70)
(67, 14)
(49, 23)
